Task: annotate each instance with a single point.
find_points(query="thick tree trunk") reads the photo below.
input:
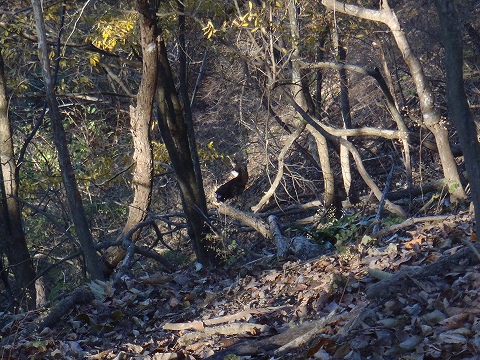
(12, 238)
(458, 109)
(175, 134)
(140, 120)
(68, 175)
(431, 115)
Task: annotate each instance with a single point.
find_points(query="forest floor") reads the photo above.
(413, 296)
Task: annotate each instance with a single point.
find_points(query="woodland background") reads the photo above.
(354, 237)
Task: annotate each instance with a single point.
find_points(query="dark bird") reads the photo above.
(233, 187)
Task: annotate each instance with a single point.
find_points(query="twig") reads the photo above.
(409, 222)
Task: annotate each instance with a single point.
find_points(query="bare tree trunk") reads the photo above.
(322, 144)
(431, 115)
(395, 111)
(68, 175)
(183, 92)
(12, 238)
(346, 117)
(375, 73)
(458, 108)
(175, 134)
(300, 98)
(140, 119)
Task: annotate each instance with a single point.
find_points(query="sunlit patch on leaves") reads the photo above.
(250, 19)
(209, 152)
(94, 59)
(160, 152)
(112, 31)
(209, 29)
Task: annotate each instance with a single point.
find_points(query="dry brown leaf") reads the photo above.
(415, 242)
(157, 279)
(454, 322)
(451, 337)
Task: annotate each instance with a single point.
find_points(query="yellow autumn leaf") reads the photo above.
(94, 59)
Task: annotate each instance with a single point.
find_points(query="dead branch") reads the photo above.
(282, 243)
(132, 248)
(425, 188)
(281, 343)
(79, 296)
(251, 220)
(407, 223)
(234, 329)
(306, 337)
(244, 315)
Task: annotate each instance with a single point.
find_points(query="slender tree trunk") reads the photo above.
(329, 198)
(395, 111)
(175, 134)
(458, 108)
(299, 96)
(183, 92)
(68, 175)
(346, 117)
(12, 241)
(431, 115)
(140, 120)
(386, 71)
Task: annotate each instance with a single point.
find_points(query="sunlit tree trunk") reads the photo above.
(140, 120)
(68, 175)
(12, 236)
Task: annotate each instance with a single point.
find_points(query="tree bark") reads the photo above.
(187, 110)
(175, 134)
(301, 99)
(431, 115)
(346, 116)
(458, 109)
(12, 236)
(68, 175)
(140, 120)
